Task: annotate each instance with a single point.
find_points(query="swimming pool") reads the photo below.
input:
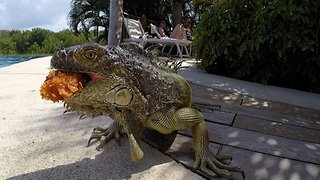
(9, 60)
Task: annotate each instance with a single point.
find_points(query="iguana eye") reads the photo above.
(90, 54)
(123, 97)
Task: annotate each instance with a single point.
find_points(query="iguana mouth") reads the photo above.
(87, 76)
(95, 77)
(62, 85)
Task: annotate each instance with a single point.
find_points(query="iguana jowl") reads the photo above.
(138, 94)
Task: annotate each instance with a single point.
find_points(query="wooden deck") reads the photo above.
(268, 139)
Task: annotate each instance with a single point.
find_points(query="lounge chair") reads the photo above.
(137, 34)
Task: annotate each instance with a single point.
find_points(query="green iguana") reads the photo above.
(138, 94)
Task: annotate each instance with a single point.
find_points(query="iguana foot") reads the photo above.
(106, 134)
(213, 165)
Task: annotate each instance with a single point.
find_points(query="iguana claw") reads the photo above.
(106, 134)
(213, 165)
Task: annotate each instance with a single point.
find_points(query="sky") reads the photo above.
(28, 14)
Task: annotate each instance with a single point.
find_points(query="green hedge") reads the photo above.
(271, 42)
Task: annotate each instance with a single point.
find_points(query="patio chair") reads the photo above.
(137, 34)
(183, 46)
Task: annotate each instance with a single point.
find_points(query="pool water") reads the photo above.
(9, 60)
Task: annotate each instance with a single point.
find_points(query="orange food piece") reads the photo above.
(60, 85)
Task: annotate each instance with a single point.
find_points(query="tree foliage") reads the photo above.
(37, 41)
(7, 45)
(273, 42)
(88, 17)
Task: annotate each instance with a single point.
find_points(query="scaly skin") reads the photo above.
(138, 94)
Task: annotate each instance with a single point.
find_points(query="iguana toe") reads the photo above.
(213, 165)
(226, 159)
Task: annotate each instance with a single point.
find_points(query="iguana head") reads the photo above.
(91, 59)
(107, 75)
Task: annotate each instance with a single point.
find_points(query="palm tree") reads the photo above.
(89, 16)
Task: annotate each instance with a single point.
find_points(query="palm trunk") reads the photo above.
(177, 11)
(97, 28)
(115, 22)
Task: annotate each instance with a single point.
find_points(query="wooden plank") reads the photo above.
(276, 128)
(264, 143)
(262, 166)
(264, 114)
(282, 108)
(255, 107)
(277, 117)
(219, 116)
(208, 94)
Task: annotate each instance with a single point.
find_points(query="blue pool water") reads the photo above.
(9, 60)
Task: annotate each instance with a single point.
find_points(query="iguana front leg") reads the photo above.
(185, 118)
(205, 158)
(117, 128)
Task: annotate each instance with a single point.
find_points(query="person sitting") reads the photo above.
(182, 31)
(143, 21)
(162, 28)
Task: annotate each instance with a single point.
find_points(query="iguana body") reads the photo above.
(138, 94)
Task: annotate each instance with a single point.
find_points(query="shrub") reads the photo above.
(271, 42)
